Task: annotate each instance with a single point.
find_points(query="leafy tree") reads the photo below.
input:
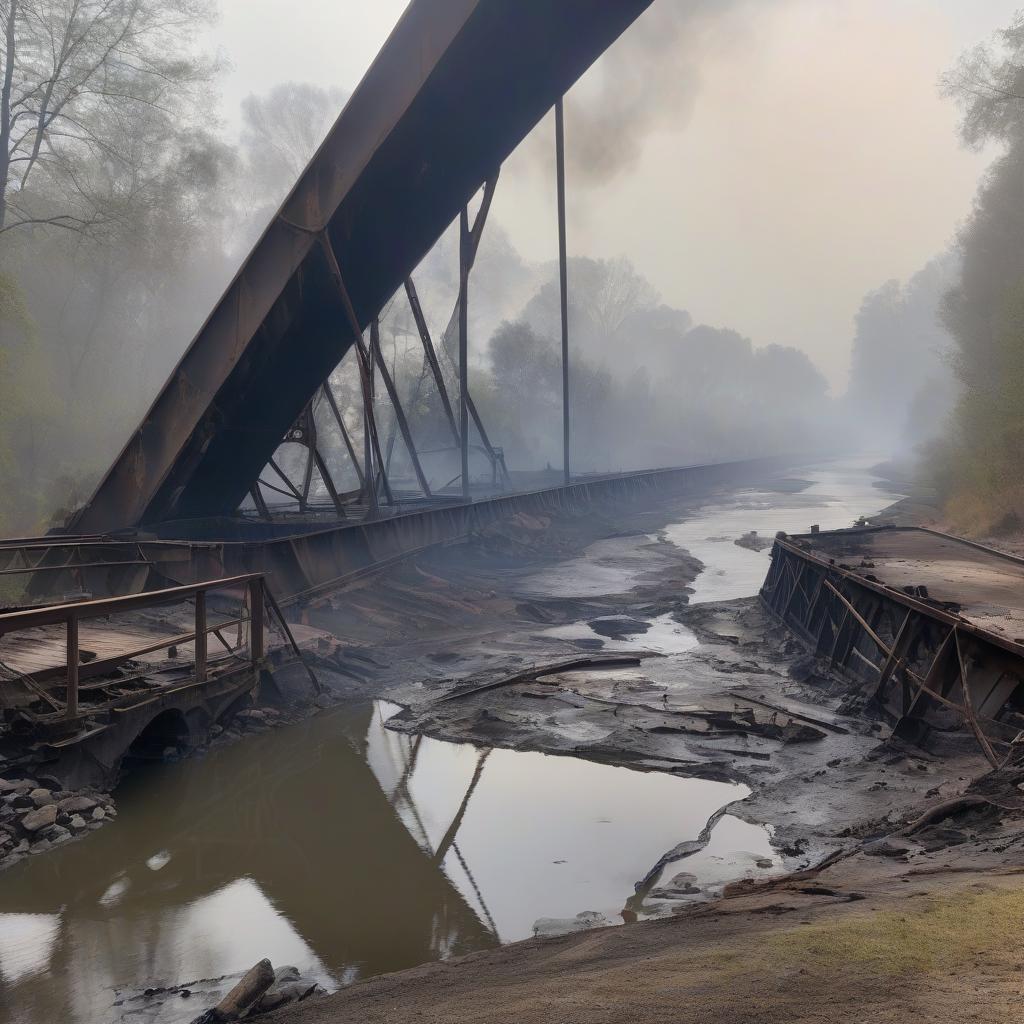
(605, 298)
(901, 382)
(979, 467)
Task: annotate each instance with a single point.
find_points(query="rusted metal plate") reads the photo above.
(457, 86)
(916, 656)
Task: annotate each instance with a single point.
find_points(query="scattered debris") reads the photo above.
(753, 541)
(260, 990)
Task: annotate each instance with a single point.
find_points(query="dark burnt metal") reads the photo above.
(456, 87)
(464, 264)
(430, 355)
(924, 667)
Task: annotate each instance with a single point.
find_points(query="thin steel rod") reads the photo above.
(332, 402)
(366, 368)
(464, 264)
(475, 236)
(325, 475)
(969, 713)
(431, 356)
(280, 472)
(396, 404)
(259, 501)
(563, 277)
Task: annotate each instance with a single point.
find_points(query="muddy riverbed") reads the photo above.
(350, 849)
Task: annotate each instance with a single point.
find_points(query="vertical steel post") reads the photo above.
(201, 636)
(256, 619)
(464, 258)
(71, 698)
(369, 470)
(563, 277)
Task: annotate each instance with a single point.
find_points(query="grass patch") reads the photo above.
(940, 936)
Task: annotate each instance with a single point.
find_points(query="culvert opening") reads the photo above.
(163, 739)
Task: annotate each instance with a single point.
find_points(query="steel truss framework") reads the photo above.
(372, 469)
(924, 666)
(456, 87)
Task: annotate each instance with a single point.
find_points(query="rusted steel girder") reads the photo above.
(431, 355)
(456, 87)
(909, 656)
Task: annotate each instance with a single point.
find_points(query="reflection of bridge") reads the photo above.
(313, 831)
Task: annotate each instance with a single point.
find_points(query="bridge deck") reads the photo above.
(987, 586)
(42, 652)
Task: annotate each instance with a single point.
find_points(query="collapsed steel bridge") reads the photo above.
(456, 87)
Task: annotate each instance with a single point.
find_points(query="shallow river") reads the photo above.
(349, 850)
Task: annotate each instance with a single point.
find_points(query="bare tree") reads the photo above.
(988, 84)
(74, 75)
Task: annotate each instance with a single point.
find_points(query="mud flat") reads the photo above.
(600, 666)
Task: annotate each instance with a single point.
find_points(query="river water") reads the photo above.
(349, 850)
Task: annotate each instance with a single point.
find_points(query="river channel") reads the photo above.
(349, 850)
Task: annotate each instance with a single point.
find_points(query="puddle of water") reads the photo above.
(732, 852)
(839, 493)
(337, 846)
(541, 836)
(665, 636)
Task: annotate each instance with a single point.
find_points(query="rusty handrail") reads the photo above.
(73, 613)
(53, 614)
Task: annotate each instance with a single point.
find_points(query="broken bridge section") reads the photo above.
(929, 627)
(456, 87)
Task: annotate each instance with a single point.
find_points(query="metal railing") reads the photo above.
(72, 614)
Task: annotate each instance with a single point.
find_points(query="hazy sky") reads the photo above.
(814, 157)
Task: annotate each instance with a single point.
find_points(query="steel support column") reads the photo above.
(464, 260)
(563, 277)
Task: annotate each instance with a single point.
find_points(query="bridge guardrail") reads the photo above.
(72, 614)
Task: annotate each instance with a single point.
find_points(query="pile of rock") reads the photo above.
(249, 720)
(34, 818)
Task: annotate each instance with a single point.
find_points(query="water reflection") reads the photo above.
(662, 635)
(527, 835)
(284, 846)
(336, 845)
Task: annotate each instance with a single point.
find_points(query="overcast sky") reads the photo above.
(813, 159)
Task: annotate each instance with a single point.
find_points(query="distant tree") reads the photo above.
(281, 131)
(786, 378)
(77, 78)
(901, 360)
(981, 464)
(605, 295)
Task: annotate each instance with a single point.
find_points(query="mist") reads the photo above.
(94, 319)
